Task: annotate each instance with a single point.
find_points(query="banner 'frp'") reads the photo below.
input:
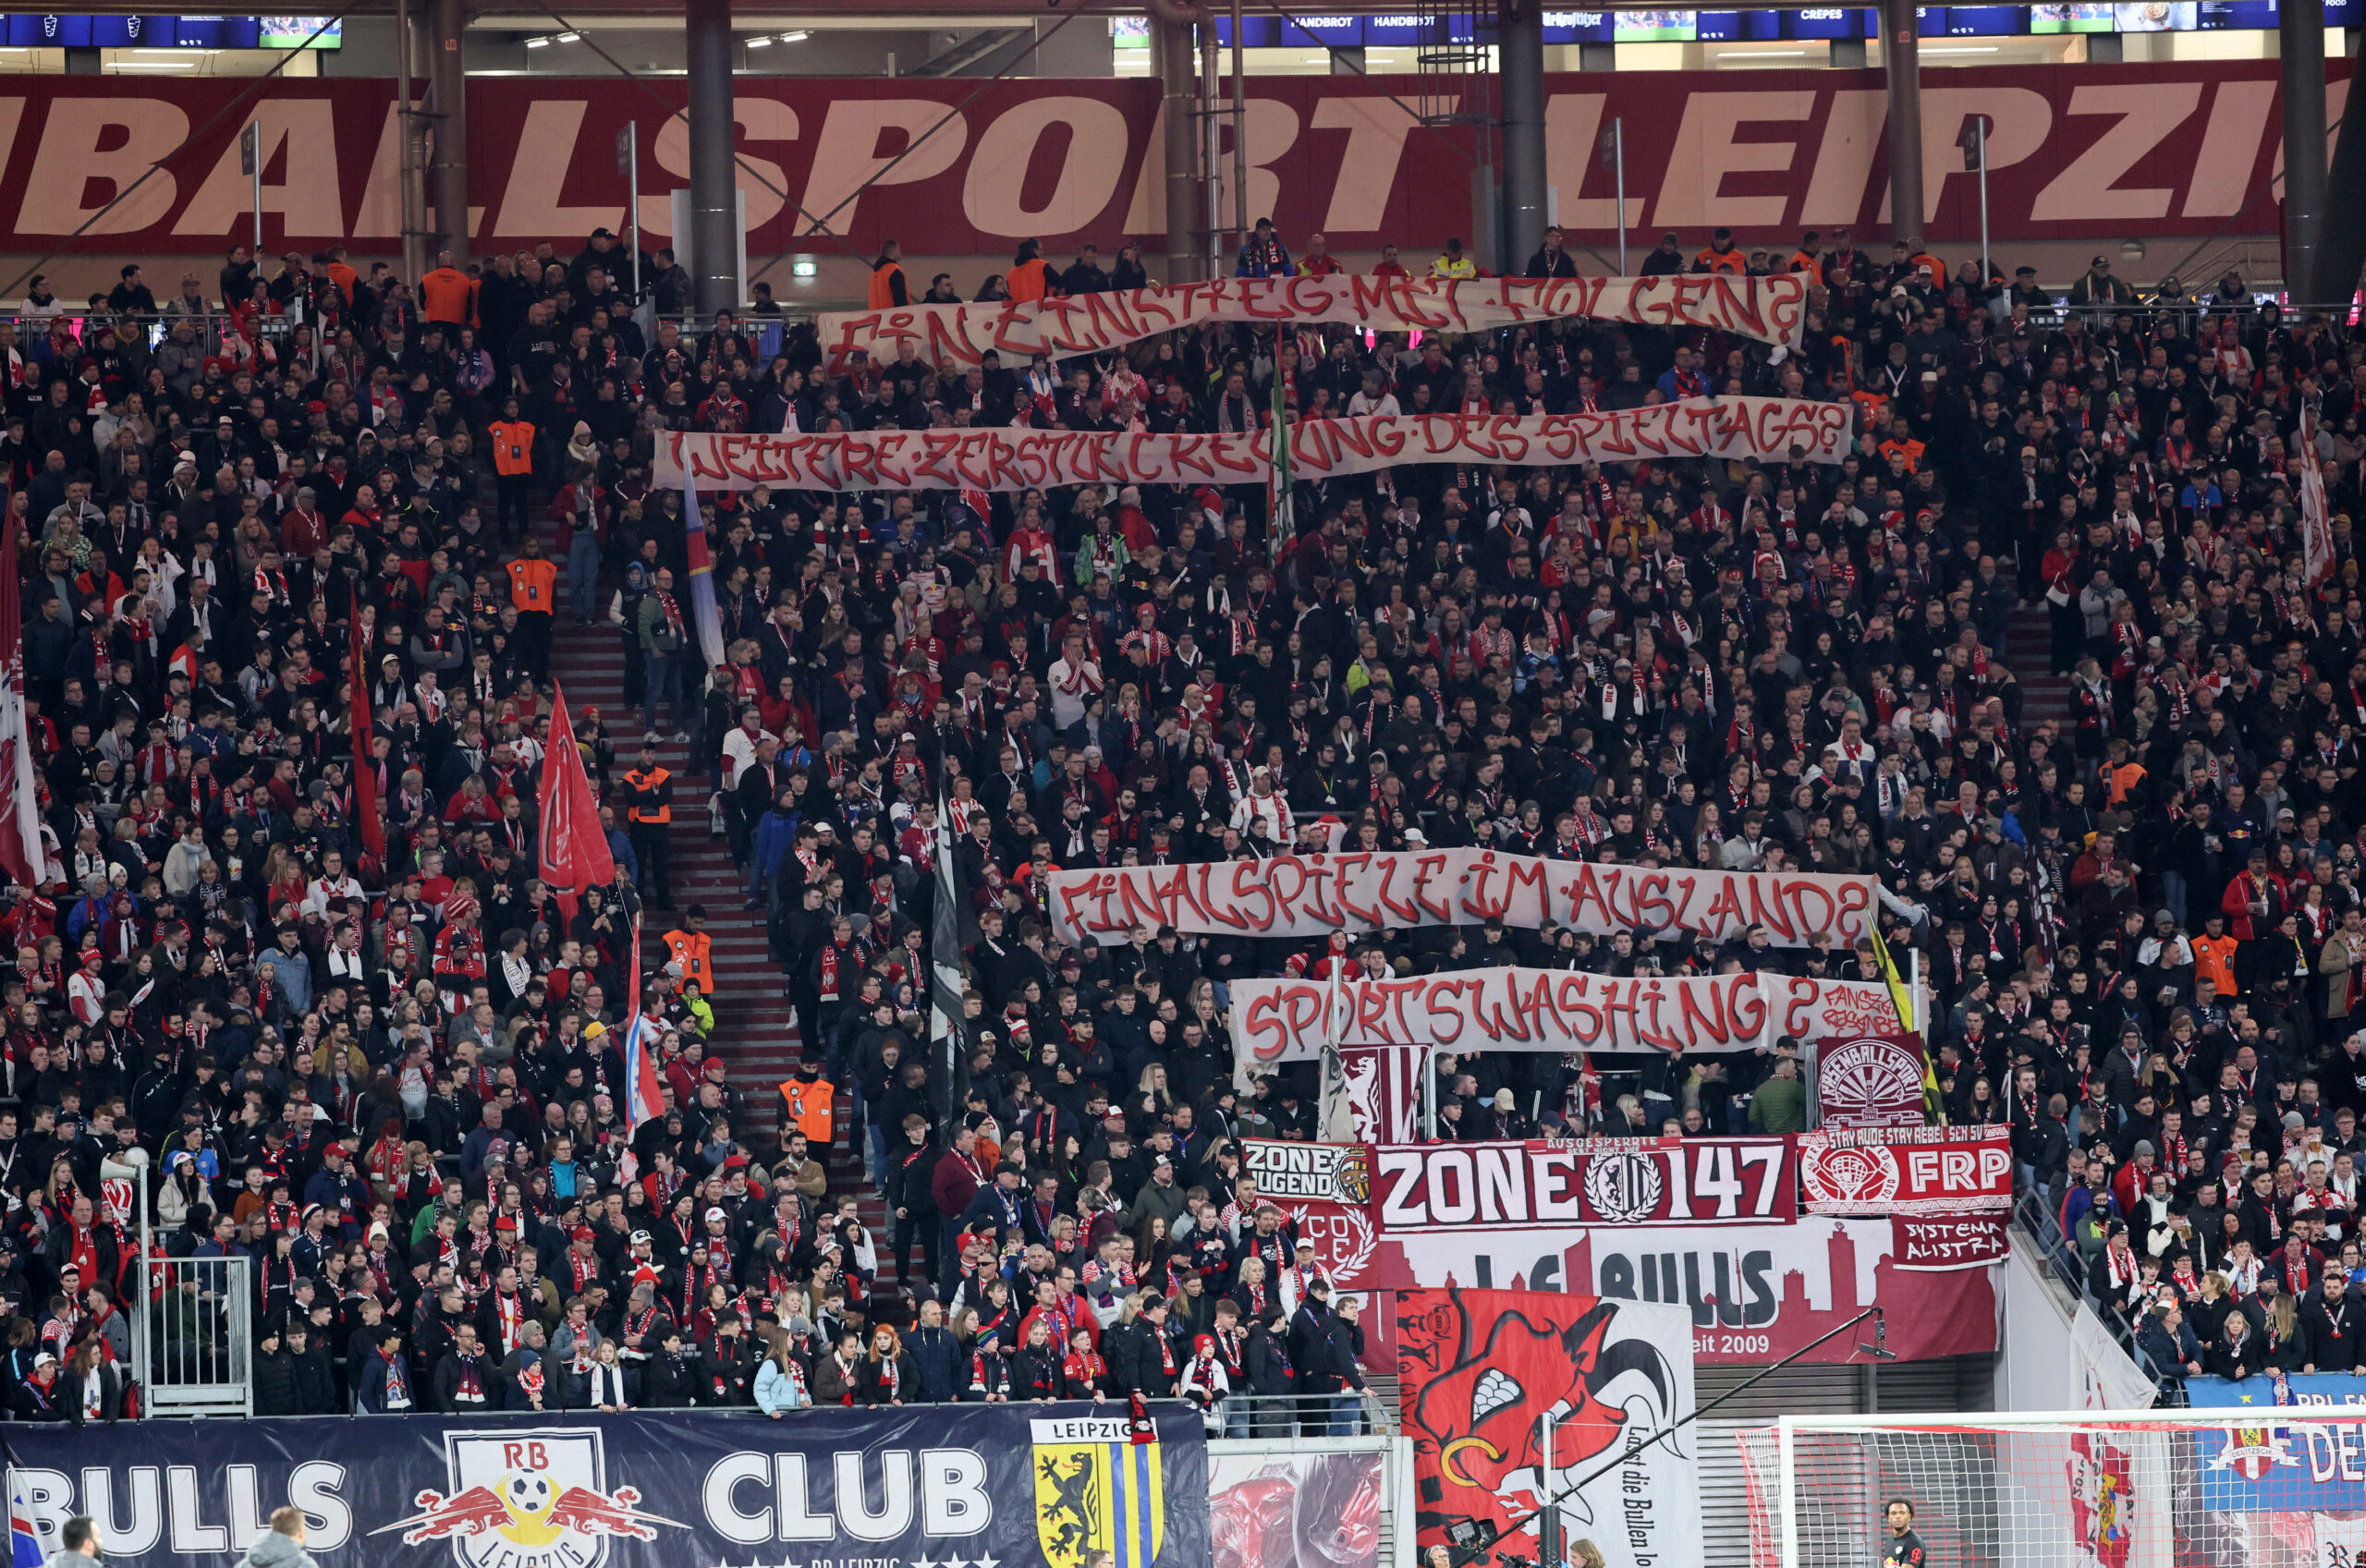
(1476, 1368)
(1023, 1486)
(1311, 895)
(1012, 458)
(1919, 1171)
(1772, 310)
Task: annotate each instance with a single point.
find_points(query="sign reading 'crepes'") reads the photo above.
(1015, 458)
(1309, 895)
(1771, 310)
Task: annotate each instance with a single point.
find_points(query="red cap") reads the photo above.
(583, 1233)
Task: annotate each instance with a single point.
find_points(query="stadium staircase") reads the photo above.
(757, 1032)
(2029, 653)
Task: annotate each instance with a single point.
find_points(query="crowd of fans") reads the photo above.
(393, 1084)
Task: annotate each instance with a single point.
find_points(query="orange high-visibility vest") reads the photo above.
(513, 446)
(808, 1108)
(694, 952)
(532, 580)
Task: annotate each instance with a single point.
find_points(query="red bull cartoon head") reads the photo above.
(1479, 1415)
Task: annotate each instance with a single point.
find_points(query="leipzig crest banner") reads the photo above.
(1003, 1486)
(1907, 1171)
(1476, 1368)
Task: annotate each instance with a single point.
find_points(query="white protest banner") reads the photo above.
(1017, 457)
(1313, 895)
(1919, 1171)
(1547, 1010)
(1771, 310)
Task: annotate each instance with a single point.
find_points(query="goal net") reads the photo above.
(2284, 1487)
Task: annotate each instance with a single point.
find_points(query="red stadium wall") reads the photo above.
(2084, 152)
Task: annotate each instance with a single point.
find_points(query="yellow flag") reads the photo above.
(1931, 1105)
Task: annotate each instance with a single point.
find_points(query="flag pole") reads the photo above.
(947, 984)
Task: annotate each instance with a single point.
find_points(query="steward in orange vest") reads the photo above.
(889, 288)
(808, 1102)
(694, 950)
(1029, 280)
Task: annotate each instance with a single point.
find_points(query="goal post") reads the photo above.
(2237, 1487)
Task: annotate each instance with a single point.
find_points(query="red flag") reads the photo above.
(572, 850)
(365, 773)
(22, 854)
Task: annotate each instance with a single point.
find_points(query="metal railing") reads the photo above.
(1354, 1413)
(195, 1337)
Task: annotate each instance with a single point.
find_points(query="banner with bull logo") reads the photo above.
(970, 1486)
(1476, 1371)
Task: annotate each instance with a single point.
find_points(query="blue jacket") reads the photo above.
(938, 1366)
(774, 834)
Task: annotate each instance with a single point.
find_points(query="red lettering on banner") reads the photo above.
(1724, 910)
(1528, 872)
(1150, 905)
(1107, 314)
(1745, 1006)
(1450, 991)
(1282, 900)
(1222, 453)
(1475, 903)
(1766, 908)
(1854, 900)
(1262, 1018)
(1715, 1020)
(1737, 304)
(1409, 914)
(1246, 871)
(1426, 869)
(1069, 897)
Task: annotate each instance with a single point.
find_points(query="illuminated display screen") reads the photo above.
(172, 33)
